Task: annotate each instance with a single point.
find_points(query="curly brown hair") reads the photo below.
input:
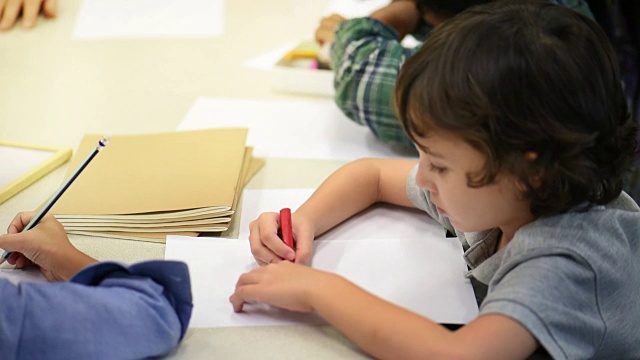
(447, 8)
(513, 77)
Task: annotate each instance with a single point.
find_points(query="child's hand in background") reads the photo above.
(11, 10)
(327, 28)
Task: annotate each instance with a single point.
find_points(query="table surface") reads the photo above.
(56, 89)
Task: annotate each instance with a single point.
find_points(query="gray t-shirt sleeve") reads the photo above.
(554, 297)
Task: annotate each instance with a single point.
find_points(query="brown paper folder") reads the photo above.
(157, 172)
(159, 237)
(143, 187)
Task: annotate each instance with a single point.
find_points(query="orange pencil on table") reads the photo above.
(286, 229)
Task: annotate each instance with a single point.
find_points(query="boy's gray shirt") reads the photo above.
(573, 279)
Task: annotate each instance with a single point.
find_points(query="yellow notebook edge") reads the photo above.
(58, 157)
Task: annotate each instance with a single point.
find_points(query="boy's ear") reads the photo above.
(531, 156)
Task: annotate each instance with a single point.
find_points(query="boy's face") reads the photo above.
(445, 161)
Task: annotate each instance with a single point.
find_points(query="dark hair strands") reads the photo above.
(521, 76)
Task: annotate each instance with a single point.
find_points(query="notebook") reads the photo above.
(24, 164)
(143, 187)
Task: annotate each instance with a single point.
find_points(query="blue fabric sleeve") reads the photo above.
(106, 311)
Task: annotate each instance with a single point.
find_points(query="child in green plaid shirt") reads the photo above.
(367, 54)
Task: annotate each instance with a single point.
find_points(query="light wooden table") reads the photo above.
(55, 89)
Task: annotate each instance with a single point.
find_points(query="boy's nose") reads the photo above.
(423, 179)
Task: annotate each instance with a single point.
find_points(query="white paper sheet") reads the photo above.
(291, 129)
(378, 222)
(27, 275)
(107, 19)
(17, 161)
(268, 60)
(355, 8)
(425, 276)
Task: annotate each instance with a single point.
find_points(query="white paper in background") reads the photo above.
(16, 161)
(26, 275)
(355, 8)
(378, 222)
(109, 19)
(291, 129)
(347, 8)
(268, 61)
(425, 276)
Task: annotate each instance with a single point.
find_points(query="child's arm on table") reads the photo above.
(380, 328)
(349, 190)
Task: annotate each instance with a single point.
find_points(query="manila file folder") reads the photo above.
(162, 172)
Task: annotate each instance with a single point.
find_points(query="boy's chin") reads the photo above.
(465, 227)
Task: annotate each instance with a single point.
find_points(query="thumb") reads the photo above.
(50, 8)
(14, 242)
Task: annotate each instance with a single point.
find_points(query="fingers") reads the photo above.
(30, 11)
(50, 8)
(266, 246)
(323, 35)
(20, 221)
(244, 292)
(241, 296)
(19, 260)
(10, 13)
(326, 29)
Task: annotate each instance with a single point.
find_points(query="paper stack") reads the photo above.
(144, 187)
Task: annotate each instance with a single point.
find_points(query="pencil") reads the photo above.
(36, 219)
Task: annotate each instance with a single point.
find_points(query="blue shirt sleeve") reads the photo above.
(106, 311)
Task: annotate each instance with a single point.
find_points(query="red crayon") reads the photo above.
(285, 227)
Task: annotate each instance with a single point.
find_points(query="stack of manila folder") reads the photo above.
(145, 187)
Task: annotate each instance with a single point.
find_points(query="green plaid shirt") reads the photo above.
(366, 57)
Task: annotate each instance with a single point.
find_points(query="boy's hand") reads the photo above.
(30, 9)
(284, 285)
(327, 28)
(267, 247)
(46, 245)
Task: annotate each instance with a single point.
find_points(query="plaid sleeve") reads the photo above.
(366, 57)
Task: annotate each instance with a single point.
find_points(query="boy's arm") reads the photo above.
(353, 188)
(380, 328)
(366, 56)
(389, 332)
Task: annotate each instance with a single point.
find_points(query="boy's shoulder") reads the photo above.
(571, 271)
(621, 214)
(601, 232)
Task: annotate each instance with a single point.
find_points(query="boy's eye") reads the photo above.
(437, 169)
